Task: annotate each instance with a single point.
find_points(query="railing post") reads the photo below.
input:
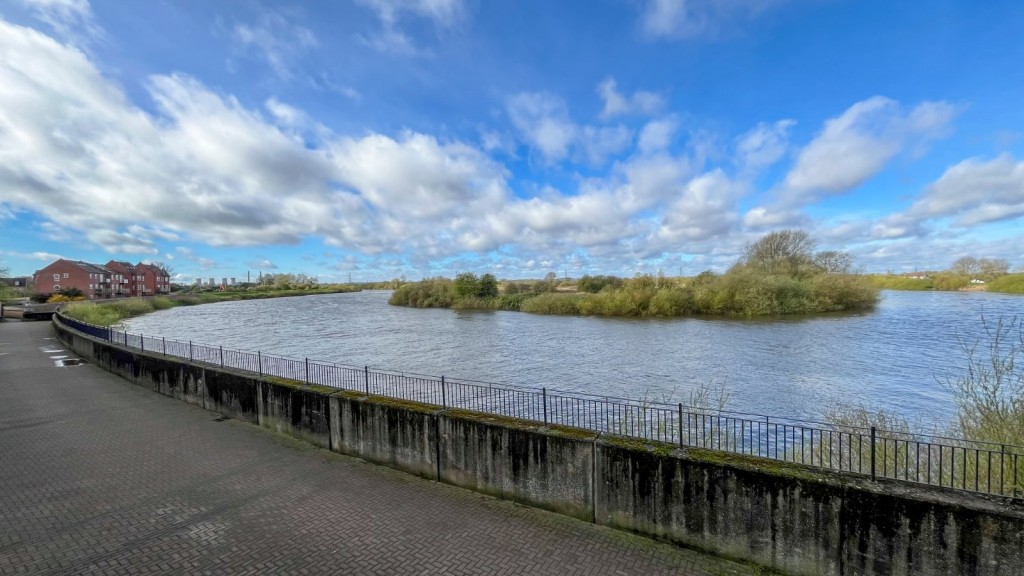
(259, 362)
(221, 356)
(544, 395)
(164, 340)
(681, 443)
(125, 338)
(142, 343)
(872, 453)
(366, 379)
(190, 358)
(307, 371)
(444, 395)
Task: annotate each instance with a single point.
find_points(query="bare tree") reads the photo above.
(993, 267)
(834, 261)
(781, 252)
(987, 268)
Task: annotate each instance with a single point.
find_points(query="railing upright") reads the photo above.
(873, 453)
(544, 397)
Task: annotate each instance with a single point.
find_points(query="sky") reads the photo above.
(374, 139)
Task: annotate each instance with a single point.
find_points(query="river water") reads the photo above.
(896, 357)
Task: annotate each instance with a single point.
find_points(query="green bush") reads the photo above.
(430, 293)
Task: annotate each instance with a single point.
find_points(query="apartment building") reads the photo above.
(115, 279)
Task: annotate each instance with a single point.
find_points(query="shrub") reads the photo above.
(430, 293)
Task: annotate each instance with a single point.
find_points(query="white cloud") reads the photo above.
(276, 41)
(657, 135)
(763, 146)
(261, 264)
(860, 142)
(706, 209)
(975, 192)
(687, 19)
(543, 122)
(71, 20)
(765, 218)
(443, 14)
(600, 143)
(285, 114)
(41, 256)
(618, 104)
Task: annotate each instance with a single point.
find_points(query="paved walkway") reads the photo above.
(98, 476)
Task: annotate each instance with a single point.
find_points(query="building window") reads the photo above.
(56, 287)
(56, 277)
(65, 274)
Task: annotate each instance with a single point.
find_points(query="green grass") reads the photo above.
(110, 312)
(1009, 284)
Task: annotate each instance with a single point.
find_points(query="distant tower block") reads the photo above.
(232, 282)
(212, 282)
(224, 281)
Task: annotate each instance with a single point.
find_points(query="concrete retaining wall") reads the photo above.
(402, 435)
(518, 460)
(794, 519)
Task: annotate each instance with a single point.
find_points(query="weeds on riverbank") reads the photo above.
(110, 312)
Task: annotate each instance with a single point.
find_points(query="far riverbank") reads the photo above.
(111, 312)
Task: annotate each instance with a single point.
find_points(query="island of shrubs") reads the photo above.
(778, 274)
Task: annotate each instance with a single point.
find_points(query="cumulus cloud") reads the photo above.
(706, 209)
(688, 19)
(860, 142)
(657, 135)
(974, 192)
(617, 104)
(543, 123)
(275, 40)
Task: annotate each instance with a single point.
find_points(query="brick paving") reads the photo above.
(98, 476)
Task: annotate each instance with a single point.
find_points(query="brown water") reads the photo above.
(895, 357)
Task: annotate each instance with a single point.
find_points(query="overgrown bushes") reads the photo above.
(777, 275)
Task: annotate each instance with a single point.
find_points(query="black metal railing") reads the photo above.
(956, 463)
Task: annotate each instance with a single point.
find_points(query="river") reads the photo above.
(896, 357)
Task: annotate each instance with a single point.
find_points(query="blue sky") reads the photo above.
(377, 138)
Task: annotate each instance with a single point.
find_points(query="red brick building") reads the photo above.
(114, 280)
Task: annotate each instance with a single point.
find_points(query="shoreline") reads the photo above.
(113, 311)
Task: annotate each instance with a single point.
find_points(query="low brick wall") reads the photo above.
(794, 519)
